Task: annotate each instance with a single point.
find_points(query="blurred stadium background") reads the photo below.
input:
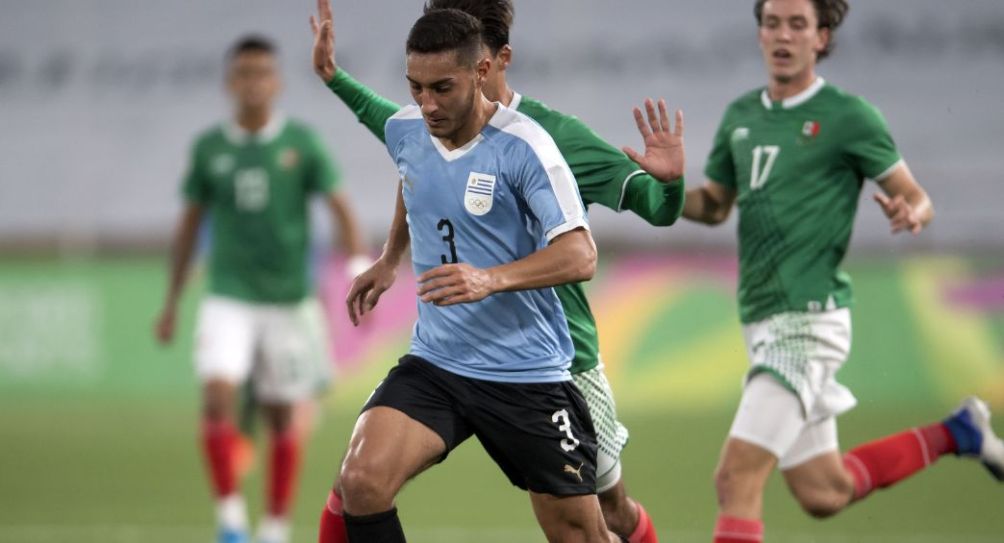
(100, 99)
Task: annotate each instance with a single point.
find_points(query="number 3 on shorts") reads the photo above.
(565, 425)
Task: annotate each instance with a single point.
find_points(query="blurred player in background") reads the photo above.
(253, 177)
(793, 157)
(494, 220)
(604, 175)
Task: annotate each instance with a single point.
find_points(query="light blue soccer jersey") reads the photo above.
(497, 199)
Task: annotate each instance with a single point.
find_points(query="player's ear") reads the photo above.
(823, 40)
(481, 69)
(504, 57)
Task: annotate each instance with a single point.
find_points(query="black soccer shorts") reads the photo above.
(540, 434)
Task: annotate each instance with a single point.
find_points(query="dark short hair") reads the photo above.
(829, 12)
(444, 30)
(495, 16)
(251, 44)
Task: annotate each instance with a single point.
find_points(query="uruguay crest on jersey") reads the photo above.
(478, 193)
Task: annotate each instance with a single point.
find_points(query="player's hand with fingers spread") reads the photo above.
(324, 41)
(902, 216)
(367, 287)
(664, 157)
(455, 284)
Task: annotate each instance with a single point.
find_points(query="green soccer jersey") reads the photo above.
(604, 174)
(256, 188)
(797, 167)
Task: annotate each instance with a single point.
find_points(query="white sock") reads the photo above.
(232, 513)
(274, 530)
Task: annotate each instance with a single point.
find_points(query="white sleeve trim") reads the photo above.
(559, 175)
(632, 175)
(885, 175)
(568, 226)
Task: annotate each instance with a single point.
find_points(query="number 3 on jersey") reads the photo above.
(445, 224)
(762, 166)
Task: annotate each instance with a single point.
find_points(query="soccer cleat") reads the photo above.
(970, 427)
(273, 530)
(229, 535)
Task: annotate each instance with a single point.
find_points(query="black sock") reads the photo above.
(379, 528)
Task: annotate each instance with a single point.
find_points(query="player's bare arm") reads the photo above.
(367, 288)
(569, 258)
(664, 157)
(349, 236)
(323, 26)
(904, 202)
(182, 248)
(710, 203)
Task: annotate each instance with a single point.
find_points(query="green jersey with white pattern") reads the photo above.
(256, 188)
(797, 167)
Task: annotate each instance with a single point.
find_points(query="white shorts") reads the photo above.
(792, 397)
(282, 347)
(770, 416)
(611, 435)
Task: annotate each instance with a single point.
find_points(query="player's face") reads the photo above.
(790, 38)
(253, 80)
(445, 90)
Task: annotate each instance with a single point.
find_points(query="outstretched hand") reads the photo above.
(664, 157)
(902, 216)
(324, 41)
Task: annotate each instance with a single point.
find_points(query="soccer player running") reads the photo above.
(253, 176)
(604, 175)
(793, 157)
(494, 220)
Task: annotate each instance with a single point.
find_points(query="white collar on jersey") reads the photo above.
(516, 99)
(238, 135)
(451, 155)
(798, 99)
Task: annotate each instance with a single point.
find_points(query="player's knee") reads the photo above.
(365, 488)
(822, 505)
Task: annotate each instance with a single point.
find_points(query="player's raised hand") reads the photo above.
(324, 41)
(367, 287)
(163, 329)
(664, 157)
(902, 216)
(454, 284)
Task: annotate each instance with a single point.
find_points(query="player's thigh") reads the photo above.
(225, 338)
(539, 434)
(821, 484)
(769, 416)
(569, 518)
(387, 448)
(294, 364)
(611, 435)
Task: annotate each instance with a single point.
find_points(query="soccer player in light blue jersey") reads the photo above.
(495, 220)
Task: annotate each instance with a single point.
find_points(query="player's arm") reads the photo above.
(569, 258)
(368, 286)
(370, 108)
(656, 192)
(349, 235)
(182, 248)
(904, 202)
(710, 204)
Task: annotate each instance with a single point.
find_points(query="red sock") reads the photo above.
(884, 462)
(644, 532)
(283, 467)
(332, 522)
(738, 530)
(218, 441)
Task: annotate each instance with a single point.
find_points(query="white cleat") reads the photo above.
(975, 437)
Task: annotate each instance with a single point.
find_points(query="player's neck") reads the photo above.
(253, 119)
(483, 111)
(779, 90)
(505, 93)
